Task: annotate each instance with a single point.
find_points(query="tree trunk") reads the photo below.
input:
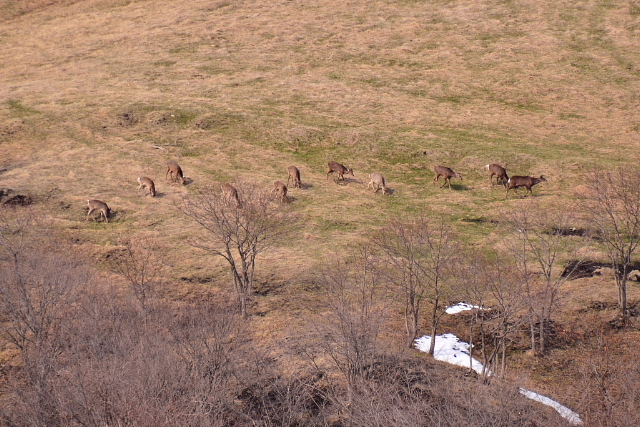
(532, 328)
(434, 327)
(622, 295)
(543, 336)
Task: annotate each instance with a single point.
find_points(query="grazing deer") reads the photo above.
(97, 205)
(294, 173)
(148, 184)
(499, 172)
(523, 181)
(377, 181)
(175, 170)
(280, 190)
(230, 193)
(340, 169)
(445, 172)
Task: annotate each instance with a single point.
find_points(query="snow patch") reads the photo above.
(566, 413)
(461, 306)
(449, 348)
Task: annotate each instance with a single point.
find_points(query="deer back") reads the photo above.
(294, 173)
(175, 170)
(446, 172)
(377, 178)
(147, 182)
(496, 169)
(337, 168)
(97, 205)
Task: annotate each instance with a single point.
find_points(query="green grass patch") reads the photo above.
(337, 225)
(19, 109)
(164, 63)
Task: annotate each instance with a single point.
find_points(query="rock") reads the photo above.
(634, 276)
(604, 271)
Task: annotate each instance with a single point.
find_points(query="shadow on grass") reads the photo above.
(347, 181)
(306, 186)
(525, 196)
(454, 187)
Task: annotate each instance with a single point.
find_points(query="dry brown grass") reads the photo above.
(244, 89)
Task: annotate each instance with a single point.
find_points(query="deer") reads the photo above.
(175, 170)
(230, 193)
(148, 184)
(97, 205)
(377, 181)
(294, 173)
(499, 172)
(279, 189)
(523, 181)
(447, 173)
(340, 169)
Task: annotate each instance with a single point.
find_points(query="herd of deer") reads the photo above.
(500, 173)
(377, 182)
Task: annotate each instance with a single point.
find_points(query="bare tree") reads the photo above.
(489, 284)
(355, 305)
(40, 282)
(239, 232)
(612, 206)
(608, 375)
(417, 261)
(141, 264)
(537, 246)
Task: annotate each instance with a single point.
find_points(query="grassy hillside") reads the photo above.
(95, 93)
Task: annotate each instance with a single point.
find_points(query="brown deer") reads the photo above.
(377, 181)
(447, 173)
(148, 184)
(229, 193)
(294, 173)
(97, 205)
(280, 190)
(499, 172)
(340, 169)
(523, 181)
(176, 172)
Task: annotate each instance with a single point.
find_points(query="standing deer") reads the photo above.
(377, 181)
(523, 181)
(340, 169)
(499, 172)
(97, 205)
(176, 172)
(294, 173)
(148, 184)
(447, 173)
(279, 189)
(229, 193)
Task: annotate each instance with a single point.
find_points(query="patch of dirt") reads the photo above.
(572, 231)
(11, 127)
(4, 192)
(18, 200)
(128, 118)
(197, 279)
(602, 305)
(158, 118)
(576, 269)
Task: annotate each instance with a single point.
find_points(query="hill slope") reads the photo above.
(96, 93)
